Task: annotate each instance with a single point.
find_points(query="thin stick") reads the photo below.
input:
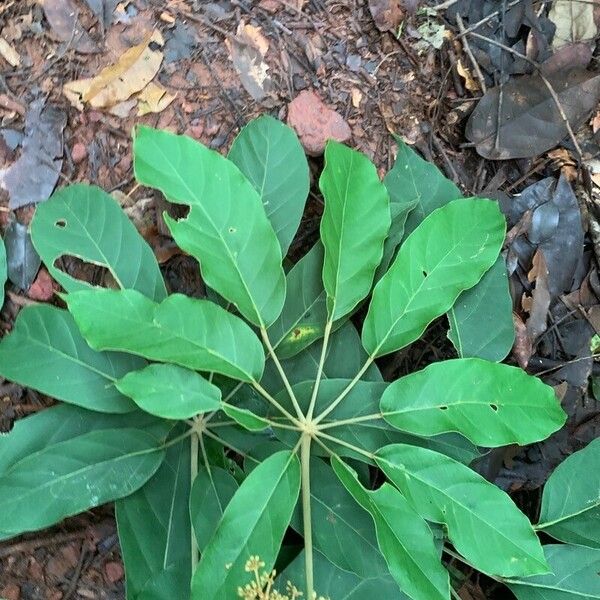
(480, 77)
(315, 391)
(306, 513)
(286, 382)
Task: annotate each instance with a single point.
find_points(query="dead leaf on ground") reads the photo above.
(22, 260)
(574, 22)
(465, 73)
(32, 177)
(538, 303)
(117, 83)
(522, 348)
(10, 55)
(530, 122)
(153, 99)
(387, 14)
(247, 51)
(62, 15)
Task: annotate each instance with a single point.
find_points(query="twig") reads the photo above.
(480, 77)
(445, 5)
(28, 546)
(73, 583)
(543, 78)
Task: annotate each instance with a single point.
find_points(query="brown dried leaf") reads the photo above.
(540, 299)
(153, 99)
(62, 15)
(522, 348)
(387, 14)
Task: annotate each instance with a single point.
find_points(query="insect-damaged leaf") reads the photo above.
(530, 121)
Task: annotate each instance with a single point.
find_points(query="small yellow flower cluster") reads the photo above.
(262, 586)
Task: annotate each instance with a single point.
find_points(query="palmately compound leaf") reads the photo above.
(481, 321)
(85, 222)
(448, 253)
(154, 530)
(483, 523)
(75, 475)
(369, 434)
(253, 524)
(404, 537)
(191, 333)
(3, 271)
(571, 499)
(574, 576)
(302, 320)
(170, 392)
(270, 155)
(355, 223)
(415, 181)
(332, 582)
(211, 493)
(490, 404)
(342, 532)
(46, 352)
(226, 229)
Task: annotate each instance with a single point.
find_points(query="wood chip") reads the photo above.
(10, 55)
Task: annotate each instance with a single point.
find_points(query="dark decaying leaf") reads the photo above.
(387, 14)
(530, 121)
(555, 228)
(181, 40)
(62, 15)
(32, 177)
(103, 9)
(22, 259)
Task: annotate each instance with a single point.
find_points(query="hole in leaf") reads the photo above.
(443, 408)
(85, 271)
(61, 223)
(232, 230)
(424, 274)
(494, 407)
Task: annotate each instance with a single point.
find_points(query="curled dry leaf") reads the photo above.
(153, 99)
(522, 348)
(538, 304)
(117, 83)
(530, 122)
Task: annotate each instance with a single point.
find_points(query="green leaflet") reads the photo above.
(571, 502)
(211, 493)
(85, 222)
(344, 358)
(253, 523)
(343, 533)
(302, 319)
(355, 222)
(66, 368)
(154, 531)
(574, 576)
(246, 418)
(446, 254)
(64, 422)
(482, 522)
(403, 536)
(419, 183)
(3, 271)
(74, 475)
(226, 228)
(170, 392)
(481, 322)
(370, 435)
(337, 584)
(490, 404)
(192, 333)
(270, 155)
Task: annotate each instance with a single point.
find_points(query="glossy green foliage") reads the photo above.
(253, 524)
(448, 253)
(269, 154)
(192, 333)
(355, 223)
(47, 352)
(490, 404)
(84, 222)
(445, 491)
(226, 229)
(261, 431)
(571, 500)
(170, 391)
